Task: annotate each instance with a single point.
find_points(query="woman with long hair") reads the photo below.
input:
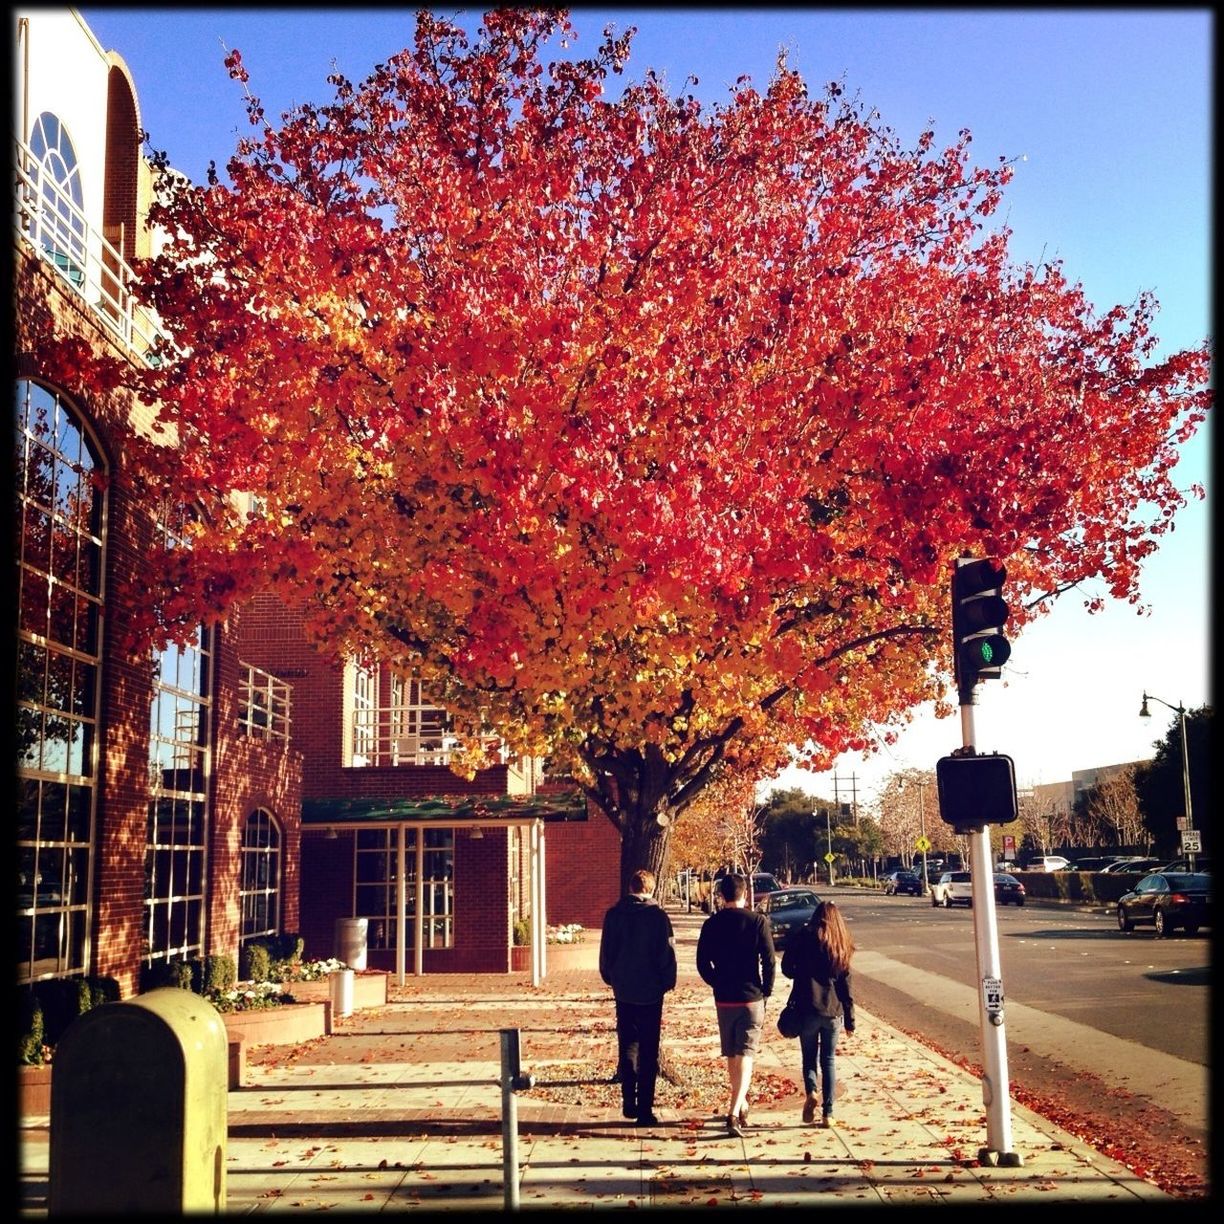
(817, 958)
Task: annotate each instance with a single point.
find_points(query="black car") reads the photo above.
(788, 909)
(1008, 890)
(1168, 900)
(902, 884)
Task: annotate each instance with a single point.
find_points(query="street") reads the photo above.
(1093, 1017)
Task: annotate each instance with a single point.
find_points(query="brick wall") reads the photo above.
(583, 870)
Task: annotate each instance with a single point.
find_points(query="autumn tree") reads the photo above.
(645, 433)
(1111, 808)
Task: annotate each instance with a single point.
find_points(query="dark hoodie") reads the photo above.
(735, 955)
(637, 951)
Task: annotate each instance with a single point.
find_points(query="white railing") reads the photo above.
(405, 735)
(264, 705)
(57, 231)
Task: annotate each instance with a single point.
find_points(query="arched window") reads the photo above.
(259, 889)
(61, 215)
(60, 511)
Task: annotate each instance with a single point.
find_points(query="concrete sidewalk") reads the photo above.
(400, 1108)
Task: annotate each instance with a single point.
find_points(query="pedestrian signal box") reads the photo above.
(976, 790)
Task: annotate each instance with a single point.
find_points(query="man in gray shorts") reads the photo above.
(735, 956)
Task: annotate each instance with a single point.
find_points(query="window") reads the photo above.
(60, 511)
(375, 886)
(259, 891)
(61, 219)
(179, 767)
(361, 701)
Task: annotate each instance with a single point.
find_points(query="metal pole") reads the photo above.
(829, 839)
(1181, 712)
(509, 1076)
(995, 1083)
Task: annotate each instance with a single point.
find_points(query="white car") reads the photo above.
(1049, 862)
(952, 888)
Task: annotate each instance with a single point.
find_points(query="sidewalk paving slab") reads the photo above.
(400, 1109)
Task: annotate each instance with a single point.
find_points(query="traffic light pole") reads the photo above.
(995, 1083)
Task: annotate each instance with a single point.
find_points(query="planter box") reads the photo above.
(283, 1025)
(558, 957)
(369, 990)
(34, 1090)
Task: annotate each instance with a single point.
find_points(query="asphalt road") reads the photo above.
(1092, 1017)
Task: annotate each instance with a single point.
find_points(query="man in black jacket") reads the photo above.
(637, 958)
(735, 955)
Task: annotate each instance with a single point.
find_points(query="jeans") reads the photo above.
(818, 1045)
(637, 1037)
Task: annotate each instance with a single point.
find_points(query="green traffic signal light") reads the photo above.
(979, 613)
(983, 652)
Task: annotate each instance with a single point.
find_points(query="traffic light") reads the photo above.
(979, 613)
(976, 790)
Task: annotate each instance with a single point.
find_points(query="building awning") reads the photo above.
(447, 809)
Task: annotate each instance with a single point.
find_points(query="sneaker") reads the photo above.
(646, 1119)
(809, 1109)
(629, 1111)
(826, 1122)
(733, 1126)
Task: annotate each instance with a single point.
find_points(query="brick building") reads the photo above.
(173, 806)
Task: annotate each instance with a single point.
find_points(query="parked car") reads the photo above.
(1132, 866)
(1169, 900)
(1048, 862)
(788, 909)
(1202, 862)
(762, 884)
(1008, 890)
(952, 888)
(903, 883)
(1099, 863)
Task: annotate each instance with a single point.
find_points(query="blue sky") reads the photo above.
(1110, 111)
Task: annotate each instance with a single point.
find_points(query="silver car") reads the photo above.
(952, 888)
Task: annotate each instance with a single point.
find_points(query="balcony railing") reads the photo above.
(264, 705)
(57, 231)
(407, 735)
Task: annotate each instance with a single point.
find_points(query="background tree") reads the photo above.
(792, 838)
(721, 827)
(1160, 786)
(636, 429)
(1110, 812)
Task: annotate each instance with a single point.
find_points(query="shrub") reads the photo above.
(522, 933)
(287, 947)
(220, 973)
(180, 973)
(255, 963)
(46, 1009)
(31, 1034)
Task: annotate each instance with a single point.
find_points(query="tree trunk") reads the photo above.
(645, 844)
(642, 793)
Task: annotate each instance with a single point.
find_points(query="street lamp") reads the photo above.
(1180, 711)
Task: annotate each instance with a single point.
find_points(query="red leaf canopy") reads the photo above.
(636, 427)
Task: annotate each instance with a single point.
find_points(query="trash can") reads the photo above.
(351, 941)
(342, 992)
(138, 1109)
